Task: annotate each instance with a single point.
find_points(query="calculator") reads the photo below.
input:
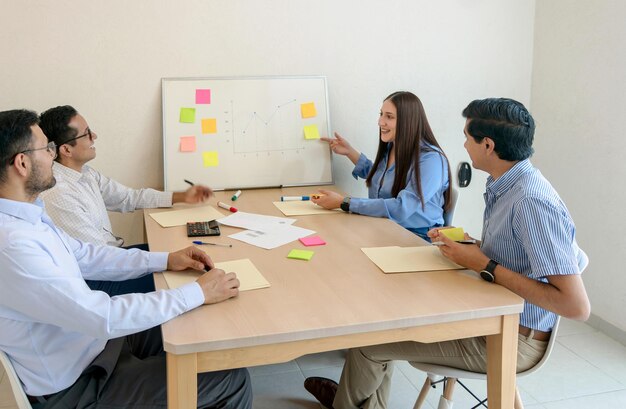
(196, 229)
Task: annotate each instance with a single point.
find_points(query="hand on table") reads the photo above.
(218, 285)
(328, 199)
(466, 255)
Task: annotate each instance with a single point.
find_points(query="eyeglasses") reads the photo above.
(51, 147)
(87, 133)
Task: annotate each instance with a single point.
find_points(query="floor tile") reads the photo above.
(572, 327)
(321, 360)
(281, 391)
(566, 375)
(273, 369)
(611, 400)
(601, 351)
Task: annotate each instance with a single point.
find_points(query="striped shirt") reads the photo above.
(80, 200)
(528, 229)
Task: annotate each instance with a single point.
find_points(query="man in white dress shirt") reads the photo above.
(73, 347)
(82, 196)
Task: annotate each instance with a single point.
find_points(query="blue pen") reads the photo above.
(294, 198)
(211, 244)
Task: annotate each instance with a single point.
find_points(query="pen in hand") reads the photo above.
(189, 182)
(211, 244)
(441, 243)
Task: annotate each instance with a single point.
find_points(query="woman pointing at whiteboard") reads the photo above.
(409, 181)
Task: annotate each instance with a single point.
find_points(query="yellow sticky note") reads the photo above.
(300, 254)
(210, 159)
(188, 115)
(311, 132)
(187, 143)
(308, 110)
(455, 233)
(209, 125)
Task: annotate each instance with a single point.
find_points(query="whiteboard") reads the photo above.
(245, 132)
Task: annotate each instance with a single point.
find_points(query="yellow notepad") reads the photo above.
(396, 259)
(249, 276)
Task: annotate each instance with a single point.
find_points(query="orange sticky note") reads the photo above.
(308, 110)
(210, 159)
(209, 125)
(311, 132)
(187, 143)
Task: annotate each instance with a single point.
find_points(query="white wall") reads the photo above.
(107, 58)
(579, 101)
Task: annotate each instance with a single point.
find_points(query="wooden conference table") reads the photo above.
(339, 299)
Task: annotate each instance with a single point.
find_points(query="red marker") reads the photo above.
(227, 207)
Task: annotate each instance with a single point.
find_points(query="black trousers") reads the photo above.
(131, 373)
(143, 284)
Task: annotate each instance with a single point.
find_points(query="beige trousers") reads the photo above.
(366, 376)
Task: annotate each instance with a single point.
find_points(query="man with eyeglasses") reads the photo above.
(80, 200)
(73, 347)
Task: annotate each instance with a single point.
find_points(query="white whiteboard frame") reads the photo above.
(164, 98)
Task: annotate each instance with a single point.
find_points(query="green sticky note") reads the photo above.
(311, 132)
(455, 233)
(188, 115)
(300, 254)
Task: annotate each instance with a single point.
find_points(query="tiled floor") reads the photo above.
(587, 369)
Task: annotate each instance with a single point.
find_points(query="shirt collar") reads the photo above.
(499, 186)
(30, 212)
(65, 173)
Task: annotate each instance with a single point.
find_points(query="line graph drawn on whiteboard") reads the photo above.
(245, 132)
(256, 132)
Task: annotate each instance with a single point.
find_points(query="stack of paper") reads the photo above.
(267, 232)
(249, 276)
(409, 259)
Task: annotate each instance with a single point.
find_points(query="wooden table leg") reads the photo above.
(501, 364)
(182, 381)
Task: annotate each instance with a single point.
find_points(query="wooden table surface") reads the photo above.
(336, 300)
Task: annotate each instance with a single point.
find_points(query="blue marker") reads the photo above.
(294, 198)
(210, 244)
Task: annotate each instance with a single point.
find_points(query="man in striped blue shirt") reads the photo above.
(528, 245)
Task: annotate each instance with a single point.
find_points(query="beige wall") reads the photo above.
(579, 101)
(107, 58)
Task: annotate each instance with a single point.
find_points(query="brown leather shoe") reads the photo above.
(323, 389)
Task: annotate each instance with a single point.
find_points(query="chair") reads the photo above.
(16, 385)
(448, 215)
(451, 375)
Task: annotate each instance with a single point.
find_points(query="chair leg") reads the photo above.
(423, 393)
(518, 400)
(448, 390)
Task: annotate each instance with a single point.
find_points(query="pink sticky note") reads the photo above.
(203, 96)
(187, 143)
(312, 241)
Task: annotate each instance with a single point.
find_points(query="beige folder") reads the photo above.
(181, 217)
(302, 207)
(396, 259)
(249, 276)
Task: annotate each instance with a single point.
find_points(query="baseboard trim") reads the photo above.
(607, 328)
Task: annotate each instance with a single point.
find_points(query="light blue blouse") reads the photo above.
(406, 208)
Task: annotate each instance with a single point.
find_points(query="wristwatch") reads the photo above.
(345, 205)
(489, 272)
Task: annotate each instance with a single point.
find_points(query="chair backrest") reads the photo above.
(546, 354)
(448, 216)
(16, 385)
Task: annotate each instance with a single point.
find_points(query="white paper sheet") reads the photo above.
(272, 238)
(254, 221)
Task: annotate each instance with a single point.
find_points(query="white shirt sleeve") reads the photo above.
(120, 198)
